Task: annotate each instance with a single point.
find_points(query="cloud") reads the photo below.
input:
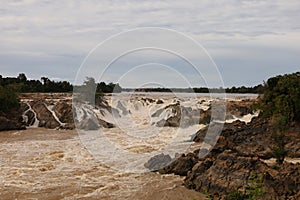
(53, 37)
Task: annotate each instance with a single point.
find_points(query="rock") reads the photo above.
(88, 124)
(7, 124)
(105, 124)
(11, 120)
(159, 101)
(247, 139)
(30, 118)
(45, 117)
(235, 164)
(227, 172)
(122, 108)
(157, 162)
(181, 165)
(205, 116)
(173, 118)
(240, 108)
(63, 111)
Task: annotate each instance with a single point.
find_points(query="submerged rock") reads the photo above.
(157, 162)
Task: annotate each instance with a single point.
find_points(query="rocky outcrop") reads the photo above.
(180, 166)
(240, 108)
(11, 121)
(236, 165)
(63, 111)
(88, 124)
(176, 115)
(158, 161)
(45, 117)
(172, 118)
(230, 173)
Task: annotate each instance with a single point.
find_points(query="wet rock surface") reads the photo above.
(45, 117)
(11, 120)
(158, 162)
(237, 164)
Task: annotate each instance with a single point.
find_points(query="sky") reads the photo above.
(248, 40)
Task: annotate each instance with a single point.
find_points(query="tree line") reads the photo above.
(21, 84)
(259, 89)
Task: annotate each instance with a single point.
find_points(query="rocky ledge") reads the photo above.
(241, 166)
(11, 120)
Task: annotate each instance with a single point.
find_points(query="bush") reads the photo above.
(282, 97)
(8, 99)
(281, 103)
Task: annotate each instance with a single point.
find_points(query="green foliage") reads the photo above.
(256, 89)
(279, 125)
(255, 189)
(235, 195)
(251, 192)
(8, 99)
(22, 84)
(281, 103)
(108, 88)
(282, 97)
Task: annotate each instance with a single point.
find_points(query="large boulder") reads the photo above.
(45, 117)
(63, 111)
(172, 118)
(11, 120)
(181, 165)
(157, 162)
(88, 124)
(10, 124)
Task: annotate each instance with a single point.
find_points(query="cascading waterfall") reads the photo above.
(36, 121)
(50, 108)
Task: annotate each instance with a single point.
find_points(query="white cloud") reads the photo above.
(61, 33)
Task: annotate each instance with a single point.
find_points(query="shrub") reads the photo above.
(281, 103)
(282, 97)
(8, 99)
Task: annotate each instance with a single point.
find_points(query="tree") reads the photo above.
(279, 125)
(281, 103)
(45, 80)
(282, 97)
(8, 99)
(88, 91)
(22, 78)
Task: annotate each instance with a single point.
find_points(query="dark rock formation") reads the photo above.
(240, 108)
(159, 101)
(122, 108)
(180, 166)
(88, 124)
(174, 119)
(12, 120)
(235, 164)
(105, 124)
(158, 161)
(63, 111)
(45, 117)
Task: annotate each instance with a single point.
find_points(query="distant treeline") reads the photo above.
(23, 85)
(259, 89)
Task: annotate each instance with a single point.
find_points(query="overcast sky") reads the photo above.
(249, 40)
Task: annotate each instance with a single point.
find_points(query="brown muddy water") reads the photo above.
(46, 164)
